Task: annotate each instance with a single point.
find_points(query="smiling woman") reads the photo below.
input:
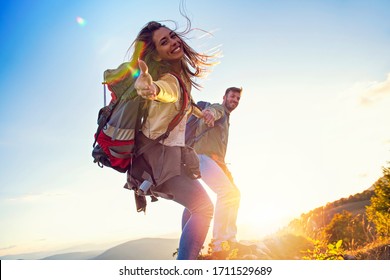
(168, 67)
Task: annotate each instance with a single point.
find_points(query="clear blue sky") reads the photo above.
(312, 125)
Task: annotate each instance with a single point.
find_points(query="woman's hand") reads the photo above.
(144, 83)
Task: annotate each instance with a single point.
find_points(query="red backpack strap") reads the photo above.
(174, 122)
(185, 101)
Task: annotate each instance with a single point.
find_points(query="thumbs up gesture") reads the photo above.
(144, 83)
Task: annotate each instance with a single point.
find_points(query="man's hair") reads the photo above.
(233, 89)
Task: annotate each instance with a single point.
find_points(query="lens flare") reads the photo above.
(129, 68)
(139, 49)
(82, 22)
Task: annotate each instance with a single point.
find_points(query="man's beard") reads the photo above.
(231, 106)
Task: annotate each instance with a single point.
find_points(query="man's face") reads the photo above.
(231, 100)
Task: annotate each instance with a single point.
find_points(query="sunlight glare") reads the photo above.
(82, 22)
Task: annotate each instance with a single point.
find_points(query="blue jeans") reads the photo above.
(199, 208)
(227, 204)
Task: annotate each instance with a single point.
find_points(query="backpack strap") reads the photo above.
(174, 122)
(185, 101)
(103, 117)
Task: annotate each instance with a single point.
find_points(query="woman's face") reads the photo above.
(168, 45)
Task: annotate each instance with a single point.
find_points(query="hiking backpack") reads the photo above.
(120, 121)
(193, 123)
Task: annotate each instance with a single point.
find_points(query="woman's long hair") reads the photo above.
(194, 64)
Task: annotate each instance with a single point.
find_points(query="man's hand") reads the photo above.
(208, 117)
(144, 83)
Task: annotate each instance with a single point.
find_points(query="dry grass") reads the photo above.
(377, 250)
